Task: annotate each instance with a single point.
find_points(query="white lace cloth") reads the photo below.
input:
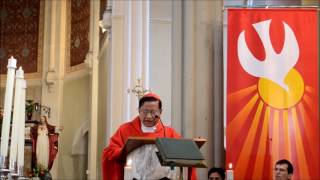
(146, 166)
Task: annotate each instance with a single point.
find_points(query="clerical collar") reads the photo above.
(147, 129)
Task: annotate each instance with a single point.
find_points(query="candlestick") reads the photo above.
(7, 111)
(230, 172)
(21, 137)
(16, 120)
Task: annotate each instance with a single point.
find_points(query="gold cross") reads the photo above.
(138, 90)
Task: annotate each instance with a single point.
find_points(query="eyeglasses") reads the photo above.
(152, 112)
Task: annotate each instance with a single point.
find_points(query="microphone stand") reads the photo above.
(163, 127)
(164, 134)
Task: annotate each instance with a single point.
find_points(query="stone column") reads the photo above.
(53, 65)
(129, 59)
(202, 87)
(92, 59)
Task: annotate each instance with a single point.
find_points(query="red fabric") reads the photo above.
(154, 95)
(258, 133)
(53, 148)
(112, 166)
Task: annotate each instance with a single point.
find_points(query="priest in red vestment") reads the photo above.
(146, 124)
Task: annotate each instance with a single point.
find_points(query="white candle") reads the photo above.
(22, 127)
(7, 110)
(16, 119)
(128, 172)
(230, 172)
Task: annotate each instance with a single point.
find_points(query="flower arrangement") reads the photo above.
(40, 172)
(29, 108)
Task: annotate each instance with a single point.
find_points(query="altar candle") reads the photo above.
(128, 172)
(7, 110)
(16, 119)
(21, 137)
(230, 172)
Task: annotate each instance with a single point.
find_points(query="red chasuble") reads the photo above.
(112, 166)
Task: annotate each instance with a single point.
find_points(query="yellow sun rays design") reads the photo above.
(285, 130)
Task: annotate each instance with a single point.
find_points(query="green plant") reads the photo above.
(40, 171)
(29, 106)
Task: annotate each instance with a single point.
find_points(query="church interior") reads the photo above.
(86, 61)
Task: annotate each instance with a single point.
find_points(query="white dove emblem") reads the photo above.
(275, 67)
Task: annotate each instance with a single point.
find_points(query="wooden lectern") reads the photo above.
(187, 150)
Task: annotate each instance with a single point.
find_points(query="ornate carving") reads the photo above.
(80, 25)
(19, 33)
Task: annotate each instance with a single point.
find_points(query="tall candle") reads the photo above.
(230, 172)
(22, 128)
(15, 120)
(7, 111)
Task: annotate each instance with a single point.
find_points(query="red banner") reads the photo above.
(272, 92)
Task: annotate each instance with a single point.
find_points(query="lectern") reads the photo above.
(151, 155)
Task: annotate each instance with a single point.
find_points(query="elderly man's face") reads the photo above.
(215, 176)
(149, 113)
(281, 172)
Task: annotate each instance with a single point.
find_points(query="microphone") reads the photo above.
(164, 128)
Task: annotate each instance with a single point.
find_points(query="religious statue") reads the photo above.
(44, 143)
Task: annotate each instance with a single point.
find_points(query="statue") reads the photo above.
(44, 144)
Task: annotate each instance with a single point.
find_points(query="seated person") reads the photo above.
(216, 173)
(283, 170)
